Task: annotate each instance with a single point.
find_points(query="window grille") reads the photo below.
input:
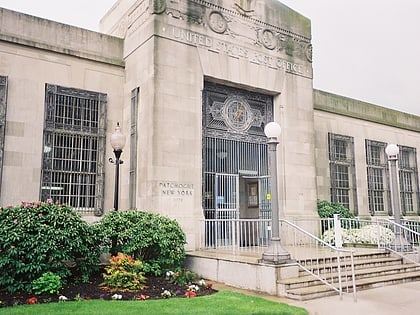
(342, 171)
(408, 176)
(74, 148)
(133, 148)
(3, 107)
(377, 174)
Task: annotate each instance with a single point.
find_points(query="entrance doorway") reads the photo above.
(235, 163)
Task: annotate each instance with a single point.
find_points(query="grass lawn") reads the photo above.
(220, 303)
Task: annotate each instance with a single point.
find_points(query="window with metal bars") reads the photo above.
(408, 176)
(133, 147)
(377, 174)
(74, 148)
(342, 171)
(3, 107)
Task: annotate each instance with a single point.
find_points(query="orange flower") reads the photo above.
(190, 294)
(143, 297)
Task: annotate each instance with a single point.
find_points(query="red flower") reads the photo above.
(143, 297)
(32, 300)
(190, 294)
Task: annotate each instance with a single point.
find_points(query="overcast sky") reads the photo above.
(364, 49)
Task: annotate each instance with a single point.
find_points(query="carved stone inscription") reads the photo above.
(176, 189)
(234, 50)
(240, 23)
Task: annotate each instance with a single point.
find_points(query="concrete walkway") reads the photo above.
(389, 300)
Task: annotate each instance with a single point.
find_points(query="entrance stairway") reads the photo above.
(373, 269)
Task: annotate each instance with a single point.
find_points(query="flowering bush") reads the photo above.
(369, 234)
(37, 237)
(124, 272)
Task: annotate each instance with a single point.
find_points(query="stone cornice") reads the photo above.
(22, 29)
(345, 106)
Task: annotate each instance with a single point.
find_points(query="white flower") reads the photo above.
(166, 294)
(62, 298)
(169, 273)
(202, 282)
(193, 288)
(116, 297)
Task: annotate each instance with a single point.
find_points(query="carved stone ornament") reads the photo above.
(159, 6)
(217, 22)
(245, 7)
(268, 39)
(308, 52)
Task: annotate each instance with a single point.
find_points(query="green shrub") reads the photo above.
(181, 276)
(327, 209)
(48, 283)
(38, 237)
(124, 272)
(154, 239)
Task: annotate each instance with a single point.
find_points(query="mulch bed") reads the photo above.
(155, 286)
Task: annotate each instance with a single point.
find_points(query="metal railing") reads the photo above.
(234, 234)
(332, 266)
(380, 232)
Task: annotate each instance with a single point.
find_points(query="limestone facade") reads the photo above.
(151, 63)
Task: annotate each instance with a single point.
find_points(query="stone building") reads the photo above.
(192, 84)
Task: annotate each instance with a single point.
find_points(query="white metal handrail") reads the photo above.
(331, 265)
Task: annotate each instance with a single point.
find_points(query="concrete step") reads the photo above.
(358, 264)
(322, 290)
(372, 269)
(309, 280)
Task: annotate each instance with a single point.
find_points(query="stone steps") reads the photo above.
(380, 270)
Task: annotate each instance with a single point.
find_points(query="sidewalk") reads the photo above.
(388, 300)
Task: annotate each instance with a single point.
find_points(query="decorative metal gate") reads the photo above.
(234, 145)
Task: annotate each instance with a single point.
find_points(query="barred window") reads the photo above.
(342, 171)
(378, 192)
(3, 107)
(408, 176)
(74, 147)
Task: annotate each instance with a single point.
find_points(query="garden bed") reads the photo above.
(155, 287)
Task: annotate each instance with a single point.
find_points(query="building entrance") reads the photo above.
(235, 162)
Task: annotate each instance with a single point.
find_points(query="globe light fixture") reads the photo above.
(400, 243)
(274, 254)
(117, 142)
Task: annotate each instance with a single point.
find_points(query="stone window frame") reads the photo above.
(74, 118)
(133, 148)
(379, 197)
(3, 110)
(409, 183)
(343, 188)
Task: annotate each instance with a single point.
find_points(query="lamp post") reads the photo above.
(274, 254)
(117, 143)
(399, 243)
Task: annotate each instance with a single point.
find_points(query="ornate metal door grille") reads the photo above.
(234, 144)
